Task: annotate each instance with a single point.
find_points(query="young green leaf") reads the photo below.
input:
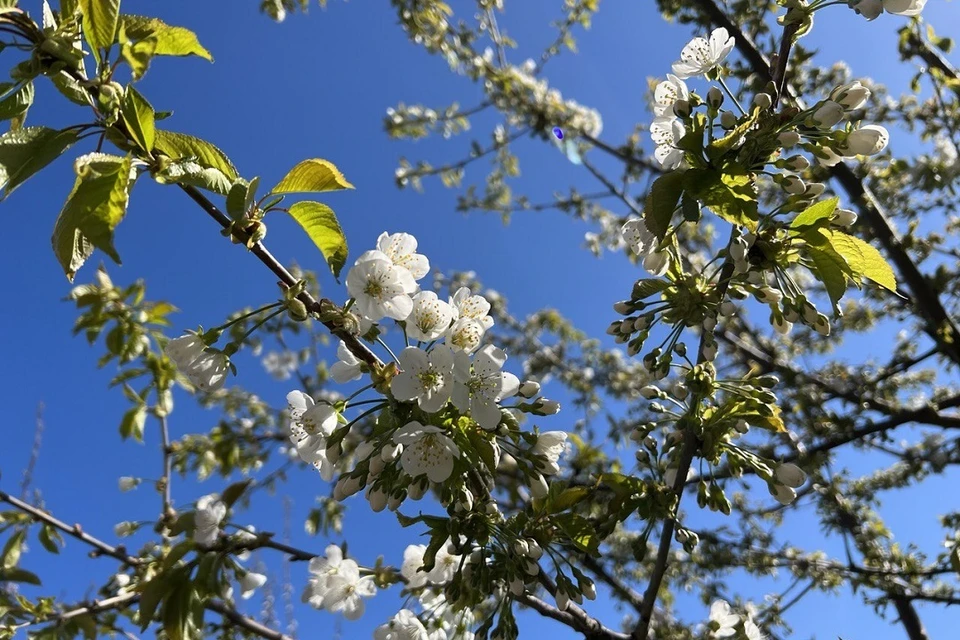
(179, 146)
(863, 258)
(27, 151)
(830, 269)
(10, 555)
(17, 574)
(133, 423)
(312, 176)
(816, 215)
(321, 224)
(730, 194)
(18, 102)
(191, 173)
(100, 22)
(94, 208)
(138, 116)
(171, 41)
(137, 54)
(662, 201)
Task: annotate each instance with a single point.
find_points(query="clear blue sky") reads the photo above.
(318, 86)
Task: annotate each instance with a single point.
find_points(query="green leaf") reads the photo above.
(484, 449)
(152, 593)
(48, 537)
(133, 422)
(831, 271)
(312, 176)
(27, 151)
(566, 499)
(178, 551)
(94, 208)
(100, 22)
(581, 532)
(10, 555)
(863, 258)
(138, 116)
(717, 148)
(232, 493)
(237, 199)
(17, 574)
(320, 223)
(171, 41)
(646, 287)
(816, 215)
(730, 194)
(16, 103)
(70, 88)
(179, 146)
(138, 54)
(192, 173)
(662, 201)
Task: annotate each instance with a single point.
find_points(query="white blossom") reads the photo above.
(412, 562)
(851, 96)
(445, 565)
(475, 307)
(401, 249)
(403, 626)
(478, 391)
(207, 518)
(381, 289)
(250, 582)
(726, 621)
(667, 93)
(209, 371)
(551, 445)
(430, 317)
(426, 451)
(280, 365)
(312, 424)
(425, 377)
(346, 589)
(185, 349)
(126, 483)
(347, 368)
(700, 56)
(638, 237)
(666, 132)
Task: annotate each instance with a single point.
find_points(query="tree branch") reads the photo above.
(76, 530)
(237, 618)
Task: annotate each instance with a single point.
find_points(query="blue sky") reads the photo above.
(318, 86)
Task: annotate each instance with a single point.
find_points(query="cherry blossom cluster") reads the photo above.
(529, 99)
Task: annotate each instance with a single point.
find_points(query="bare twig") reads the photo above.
(237, 618)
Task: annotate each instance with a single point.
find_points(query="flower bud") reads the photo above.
(809, 313)
(534, 551)
(516, 587)
(795, 163)
(844, 217)
(529, 389)
(904, 7)
(827, 115)
(681, 108)
(822, 325)
(780, 325)
(391, 452)
(520, 547)
(727, 308)
(742, 426)
(395, 500)
(376, 465)
(641, 323)
(650, 391)
(714, 98)
(623, 307)
(544, 407)
(538, 486)
(869, 9)
(563, 600)
(769, 295)
(377, 498)
(417, 490)
(851, 96)
(827, 157)
(814, 189)
(127, 483)
(792, 185)
(784, 495)
(728, 120)
(346, 486)
(868, 140)
(642, 456)
(762, 100)
(790, 475)
(789, 138)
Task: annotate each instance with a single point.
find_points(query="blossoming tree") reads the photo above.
(435, 395)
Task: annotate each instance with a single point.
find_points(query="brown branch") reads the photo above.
(237, 618)
(571, 619)
(97, 606)
(910, 619)
(167, 509)
(76, 530)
